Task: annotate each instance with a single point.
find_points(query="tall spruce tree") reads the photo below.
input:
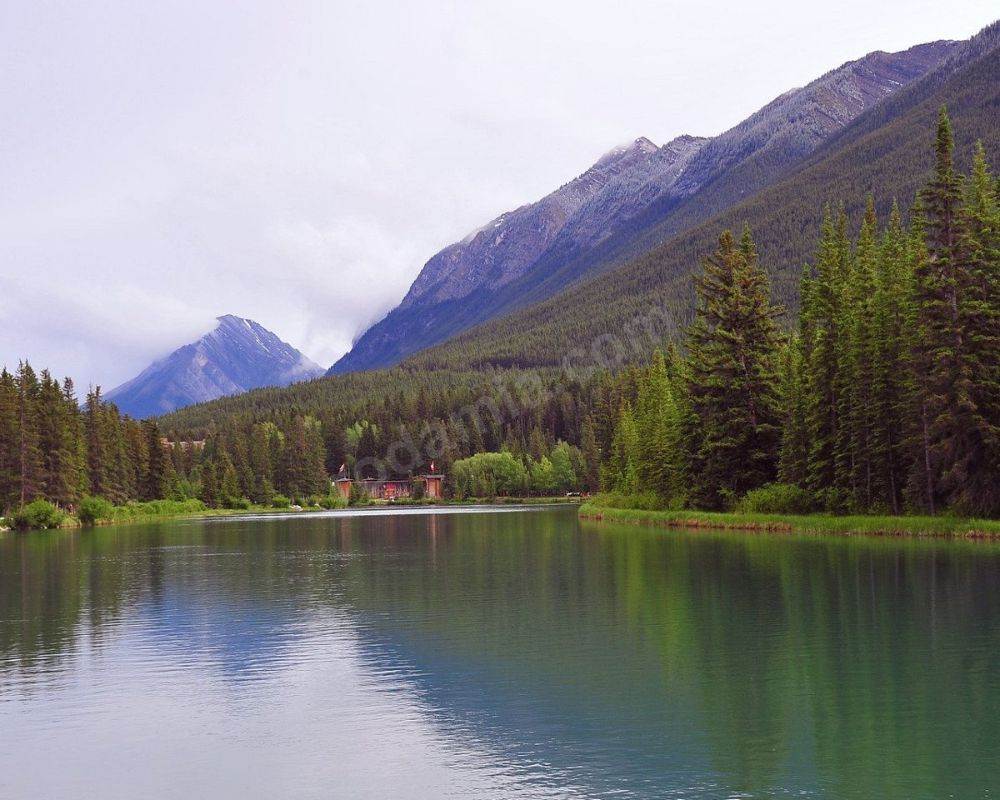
(31, 479)
(156, 480)
(821, 331)
(955, 435)
(979, 489)
(9, 462)
(733, 353)
(889, 397)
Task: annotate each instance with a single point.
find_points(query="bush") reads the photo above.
(489, 475)
(38, 515)
(335, 500)
(359, 497)
(834, 501)
(157, 508)
(777, 498)
(645, 501)
(95, 509)
(280, 501)
(240, 503)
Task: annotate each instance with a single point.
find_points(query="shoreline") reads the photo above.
(73, 524)
(909, 526)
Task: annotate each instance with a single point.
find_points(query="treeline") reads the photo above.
(276, 446)
(53, 449)
(883, 395)
(886, 395)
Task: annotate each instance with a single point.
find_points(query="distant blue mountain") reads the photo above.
(237, 356)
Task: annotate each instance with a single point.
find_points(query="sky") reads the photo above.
(297, 163)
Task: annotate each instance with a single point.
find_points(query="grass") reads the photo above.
(154, 510)
(805, 523)
(529, 500)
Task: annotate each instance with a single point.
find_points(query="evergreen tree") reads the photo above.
(855, 368)
(590, 476)
(662, 463)
(155, 482)
(821, 320)
(733, 346)
(793, 462)
(890, 393)
(30, 480)
(97, 458)
(622, 473)
(58, 443)
(956, 437)
(979, 487)
(9, 461)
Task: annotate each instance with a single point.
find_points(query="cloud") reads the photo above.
(167, 163)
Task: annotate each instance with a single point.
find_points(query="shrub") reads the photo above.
(95, 509)
(335, 500)
(359, 497)
(157, 508)
(38, 515)
(240, 503)
(280, 501)
(489, 475)
(644, 501)
(777, 498)
(833, 501)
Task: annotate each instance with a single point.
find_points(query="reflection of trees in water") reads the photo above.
(845, 657)
(865, 664)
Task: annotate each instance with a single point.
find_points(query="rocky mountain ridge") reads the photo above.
(236, 356)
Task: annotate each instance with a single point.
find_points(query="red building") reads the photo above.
(433, 486)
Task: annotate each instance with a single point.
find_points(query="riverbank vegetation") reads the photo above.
(861, 524)
(884, 398)
(881, 398)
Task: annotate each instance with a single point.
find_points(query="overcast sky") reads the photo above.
(162, 163)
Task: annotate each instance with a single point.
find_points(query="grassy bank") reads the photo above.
(94, 512)
(102, 513)
(806, 523)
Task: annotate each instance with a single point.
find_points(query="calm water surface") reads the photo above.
(494, 655)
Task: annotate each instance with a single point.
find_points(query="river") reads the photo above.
(494, 654)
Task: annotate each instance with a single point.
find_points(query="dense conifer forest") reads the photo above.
(883, 395)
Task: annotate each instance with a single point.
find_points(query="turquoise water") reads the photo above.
(519, 654)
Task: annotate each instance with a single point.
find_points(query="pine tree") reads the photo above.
(590, 477)
(622, 472)
(890, 393)
(793, 463)
(956, 437)
(9, 462)
(978, 491)
(58, 443)
(733, 347)
(155, 482)
(855, 367)
(97, 459)
(662, 466)
(31, 479)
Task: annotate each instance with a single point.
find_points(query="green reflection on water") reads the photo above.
(762, 665)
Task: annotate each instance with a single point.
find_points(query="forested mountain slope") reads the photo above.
(886, 150)
(631, 199)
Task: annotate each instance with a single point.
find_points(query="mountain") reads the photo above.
(887, 150)
(238, 355)
(632, 199)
